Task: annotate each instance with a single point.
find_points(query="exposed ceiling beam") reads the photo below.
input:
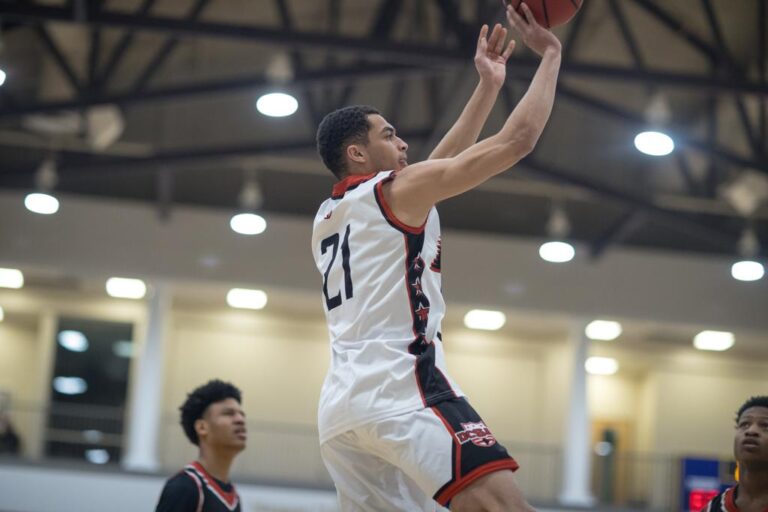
(415, 54)
(165, 50)
(617, 232)
(121, 47)
(315, 78)
(59, 58)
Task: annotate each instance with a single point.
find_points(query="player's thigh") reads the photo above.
(494, 492)
(366, 482)
(444, 448)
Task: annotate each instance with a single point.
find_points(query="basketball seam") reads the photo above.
(576, 5)
(546, 13)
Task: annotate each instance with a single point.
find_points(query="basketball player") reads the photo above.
(213, 420)
(750, 447)
(396, 432)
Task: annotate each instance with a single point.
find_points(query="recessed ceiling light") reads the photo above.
(601, 366)
(604, 330)
(124, 288)
(243, 298)
(654, 143)
(277, 104)
(557, 252)
(714, 340)
(485, 320)
(11, 278)
(2, 77)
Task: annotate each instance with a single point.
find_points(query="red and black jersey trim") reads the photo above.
(725, 501)
(433, 385)
(229, 499)
(475, 452)
(386, 211)
(350, 183)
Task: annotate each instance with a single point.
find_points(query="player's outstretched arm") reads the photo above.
(491, 63)
(418, 187)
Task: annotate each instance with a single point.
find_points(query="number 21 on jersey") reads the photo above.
(325, 245)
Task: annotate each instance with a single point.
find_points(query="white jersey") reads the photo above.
(384, 305)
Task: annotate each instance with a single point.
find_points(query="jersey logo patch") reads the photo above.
(328, 215)
(478, 433)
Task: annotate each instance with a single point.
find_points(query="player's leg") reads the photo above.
(494, 492)
(366, 482)
(446, 449)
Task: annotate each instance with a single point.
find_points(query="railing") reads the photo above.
(288, 454)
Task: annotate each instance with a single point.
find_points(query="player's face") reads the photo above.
(225, 425)
(751, 440)
(385, 149)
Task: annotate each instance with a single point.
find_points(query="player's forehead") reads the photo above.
(756, 412)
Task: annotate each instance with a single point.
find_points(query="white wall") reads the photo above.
(95, 237)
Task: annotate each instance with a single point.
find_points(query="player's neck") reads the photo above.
(216, 464)
(753, 482)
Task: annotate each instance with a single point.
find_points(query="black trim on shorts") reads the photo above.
(475, 450)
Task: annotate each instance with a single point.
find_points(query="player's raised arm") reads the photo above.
(418, 187)
(491, 63)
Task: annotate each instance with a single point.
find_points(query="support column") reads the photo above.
(577, 460)
(147, 387)
(34, 440)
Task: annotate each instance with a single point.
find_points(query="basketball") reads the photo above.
(549, 13)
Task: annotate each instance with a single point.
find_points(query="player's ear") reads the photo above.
(356, 153)
(201, 428)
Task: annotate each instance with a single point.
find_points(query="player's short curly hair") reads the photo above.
(339, 129)
(755, 401)
(198, 401)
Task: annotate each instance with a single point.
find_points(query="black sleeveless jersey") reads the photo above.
(193, 489)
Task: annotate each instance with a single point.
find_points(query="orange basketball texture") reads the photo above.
(549, 13)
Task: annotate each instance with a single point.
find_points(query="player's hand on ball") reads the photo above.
(492, 54)
(536, 37)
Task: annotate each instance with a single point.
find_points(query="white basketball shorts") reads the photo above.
(414, 461)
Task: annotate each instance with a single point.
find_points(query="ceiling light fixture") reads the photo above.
(601, 366)
(125, 288)
(655, 142)
(46, 178)
(248, 224)
(604, 330)
(558, 227)
(748, 269)
(717, 341)
(243, 298)
(251, 198)
(2, 77)
(485, 320)
(11, 278)
(277, 104)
